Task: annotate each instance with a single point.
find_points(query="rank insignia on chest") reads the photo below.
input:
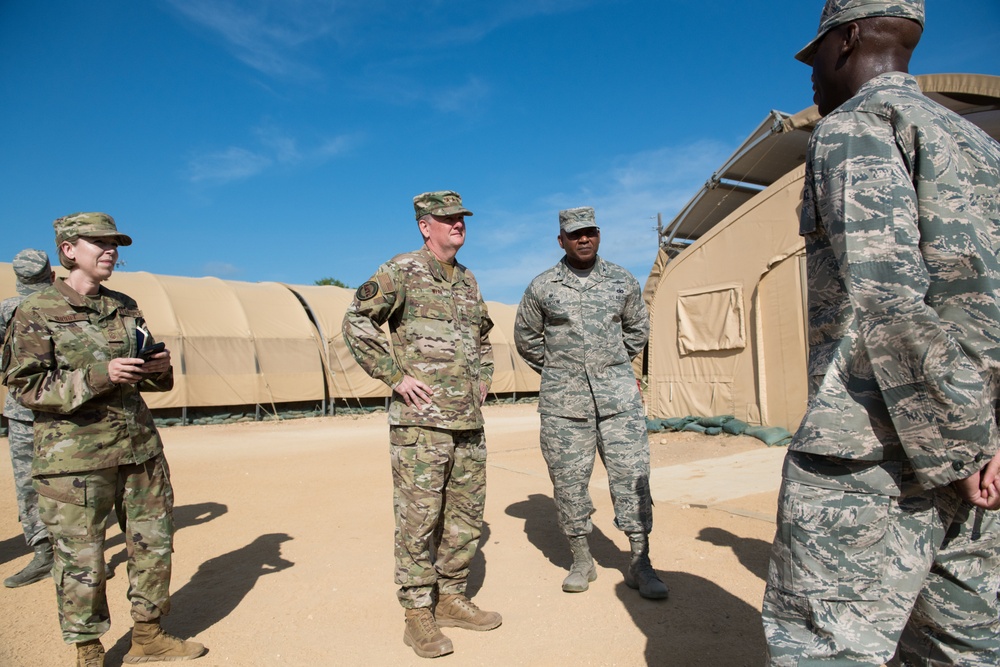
(367, 291)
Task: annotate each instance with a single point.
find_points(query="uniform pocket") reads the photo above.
(836, 543)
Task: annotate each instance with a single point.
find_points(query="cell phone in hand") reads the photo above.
(151, 350)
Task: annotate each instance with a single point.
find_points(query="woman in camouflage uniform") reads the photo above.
(76, 358)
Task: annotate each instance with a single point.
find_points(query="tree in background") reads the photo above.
(331, 281)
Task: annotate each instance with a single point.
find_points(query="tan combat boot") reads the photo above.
(151, 644)
(582, 572)
(458, 611)
(90, 654)
(423, 635)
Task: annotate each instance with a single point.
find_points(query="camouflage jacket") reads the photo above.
(11, 408)
(440, 336)
(582, 338)
(901, 219)
(56, 359)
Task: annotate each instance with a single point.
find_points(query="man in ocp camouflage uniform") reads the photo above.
(884, 535)
(32, 273)
(580, 324)
(440, 366)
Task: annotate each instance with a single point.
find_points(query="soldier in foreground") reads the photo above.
(884, 537)
(77, 355)
(580, 324)
(32, 274)
(440, 368)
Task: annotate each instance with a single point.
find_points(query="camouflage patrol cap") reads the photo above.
(96, 225)
(839, 12)
(441, 203)
(33, 272)
(573, 219)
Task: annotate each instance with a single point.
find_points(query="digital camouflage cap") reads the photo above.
(572, 219)
(839, 12)
(32, 270)
(96, 225)
(441, 203)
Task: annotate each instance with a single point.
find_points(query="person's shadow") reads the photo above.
(184, 517)
(702, 623)
(217, 588)
(753, 554)
(542, 529)
(477, 568)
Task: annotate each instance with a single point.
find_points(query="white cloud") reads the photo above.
(221, 269)
(626, 196)
(276, 147)
(231, 164)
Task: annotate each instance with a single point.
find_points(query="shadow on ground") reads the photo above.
(216, 589)
(185, 516)
(542, 530)
(752, 554)
(699, 625)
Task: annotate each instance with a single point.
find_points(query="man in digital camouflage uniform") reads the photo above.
(580, 324)
(440, 367)
(32, 273)
(885, 540)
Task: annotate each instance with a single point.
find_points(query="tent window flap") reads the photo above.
(711, 319)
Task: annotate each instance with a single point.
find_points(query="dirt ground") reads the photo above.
(284, 555)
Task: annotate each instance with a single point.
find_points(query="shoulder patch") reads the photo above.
(367, 291)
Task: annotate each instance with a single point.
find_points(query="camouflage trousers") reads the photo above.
(75, 507)
(570, 446)
(439, 492)
(854, 574)
(21, 438)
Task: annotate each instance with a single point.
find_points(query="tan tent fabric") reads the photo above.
(328, 305)
(512, 375)
(695, 366)
(237, 343)
(750, 239)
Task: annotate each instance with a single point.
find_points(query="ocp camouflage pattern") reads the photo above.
(437, 533)
(75, 507)
(439, 329)
(56, 362)
(904, 309)
(582, 338)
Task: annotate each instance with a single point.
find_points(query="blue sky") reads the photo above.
(283, 140)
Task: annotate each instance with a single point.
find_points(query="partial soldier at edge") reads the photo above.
(33, 273)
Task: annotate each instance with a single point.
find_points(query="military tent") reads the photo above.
(728, 310)
(237, 343)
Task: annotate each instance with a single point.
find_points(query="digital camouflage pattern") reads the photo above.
(56, 362)
(901, 220)
(903, 279)
(436, 535)
(569, 447)
(21, 440)
(32, 271)
(11, 408)
(440, 335)
(75, 507)
(582, 337)
(572, 219)
(838, 12)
